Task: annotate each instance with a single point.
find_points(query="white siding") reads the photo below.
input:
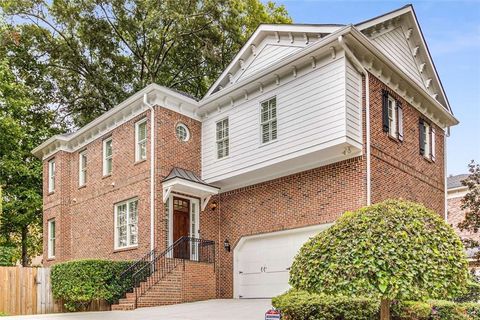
(353, 96)
(310, 112)
(266, 57)
(395, 46)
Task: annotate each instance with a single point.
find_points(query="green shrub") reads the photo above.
(78, 283)
(397, 250)
(472, 294)
(411, 310)
(7, 256)
(300, 305)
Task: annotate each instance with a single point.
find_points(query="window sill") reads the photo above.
(107, 176)
(221, 159)
(139, 162)
(51, 259)
(116, 250)
(50, 193)
(428, 159)
(264, 144)
(82, 186)
(394, 138)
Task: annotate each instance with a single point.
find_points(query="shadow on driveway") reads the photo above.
(231, 309)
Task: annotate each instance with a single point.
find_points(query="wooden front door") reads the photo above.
(181, 226)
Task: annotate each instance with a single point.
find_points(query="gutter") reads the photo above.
(152, 172)
(361, 69)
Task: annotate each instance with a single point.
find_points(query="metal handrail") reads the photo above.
(154, 266)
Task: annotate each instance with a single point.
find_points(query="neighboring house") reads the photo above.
(306, 122)
(456, 191)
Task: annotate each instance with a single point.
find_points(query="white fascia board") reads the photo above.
(385, 17)
(270, 28)
(194, 185)
(333, 37)
(130, 101)
(360, 37)
(457, 189)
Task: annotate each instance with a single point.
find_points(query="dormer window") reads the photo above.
(268, 114)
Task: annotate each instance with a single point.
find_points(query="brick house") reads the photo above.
(455, 193)
(306, 122)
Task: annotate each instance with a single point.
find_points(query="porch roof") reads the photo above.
(187, 182)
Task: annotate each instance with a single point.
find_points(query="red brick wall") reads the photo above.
(199, 282)
(398, 169)
(85, 215)
(457, 215)
(308, 198)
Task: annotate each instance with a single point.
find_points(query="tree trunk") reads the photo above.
(385, 309)
(24, 247)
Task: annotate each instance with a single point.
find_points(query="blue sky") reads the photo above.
(452, 32)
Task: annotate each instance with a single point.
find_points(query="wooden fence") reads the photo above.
(29, 291)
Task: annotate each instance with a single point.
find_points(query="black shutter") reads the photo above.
(421, 136)
(399, 120)
(386, 126)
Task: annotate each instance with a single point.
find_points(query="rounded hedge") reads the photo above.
(391, 250)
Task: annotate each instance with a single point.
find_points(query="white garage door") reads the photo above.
(262, 262)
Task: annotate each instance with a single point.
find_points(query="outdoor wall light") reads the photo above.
(226, 245)
(213, 205)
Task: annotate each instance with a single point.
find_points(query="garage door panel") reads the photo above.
(263, 262)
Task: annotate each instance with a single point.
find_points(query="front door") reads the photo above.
(181, 225)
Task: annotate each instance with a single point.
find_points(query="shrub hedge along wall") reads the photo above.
(78, 283)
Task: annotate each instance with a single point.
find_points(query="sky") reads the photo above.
(452, 32)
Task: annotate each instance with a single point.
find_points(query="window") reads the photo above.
(222, 138)
(427, 140)
(82, 168)
(392, 116)
(51, 175)
(141, 140)
(126, 224)
(269, 120)
(182, 132)
(51, 239)
(107, 157)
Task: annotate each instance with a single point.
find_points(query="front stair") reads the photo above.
(164, 279)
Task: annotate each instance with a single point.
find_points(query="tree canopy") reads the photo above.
(391, 250)
(97, 52)
(471, 204)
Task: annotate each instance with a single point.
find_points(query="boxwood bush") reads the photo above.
(78, 283)
(301, 305)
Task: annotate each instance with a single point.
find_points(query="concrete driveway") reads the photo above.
(232, 309)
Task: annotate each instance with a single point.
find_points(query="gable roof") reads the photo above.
(413, 35)
(454, 182)
(308, 33)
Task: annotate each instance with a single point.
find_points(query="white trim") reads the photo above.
(194, 185)
(51, 238)
(243, 239)
(106, 158)
(224, 138)
(269, 121)
(82, 168)
(51, 175)
(127, 213)
(204, 201)
(170, 216)
(138, 142)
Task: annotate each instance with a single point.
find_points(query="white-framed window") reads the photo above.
(107, 156)
(427, 140)
(51, 175)
(126, 224)
(392, 117)
(222, 138)
(182, 132)
(141, 140)
(51, 239)
(268, 115)
(82, 168)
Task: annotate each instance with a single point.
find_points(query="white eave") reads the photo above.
(121, 113)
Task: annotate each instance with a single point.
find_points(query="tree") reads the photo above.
(391, 250)
(471, 204)
(97, 52)
(23, 125)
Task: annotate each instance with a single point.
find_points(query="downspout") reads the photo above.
(445, 172)
(361, 69)
(152, 172)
